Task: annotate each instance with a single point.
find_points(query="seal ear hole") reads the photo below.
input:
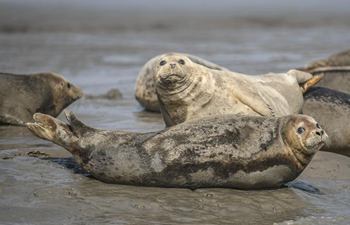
(182, 62)
(69, 85)
(300, 130)
(162, 63)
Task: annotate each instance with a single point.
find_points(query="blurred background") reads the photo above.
(100, 45)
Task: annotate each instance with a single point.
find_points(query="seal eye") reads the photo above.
(68, 85)
(182, 62)
(300, 130)
(318, 126)
(162, 63)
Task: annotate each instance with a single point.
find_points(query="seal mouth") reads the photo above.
(168, 79)
(171, 81)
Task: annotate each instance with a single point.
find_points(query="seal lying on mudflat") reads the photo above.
(331, 109)
(145, 90)
(225, 151)
(188, 91)
(23, 95)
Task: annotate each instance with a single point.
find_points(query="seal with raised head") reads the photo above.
(188, 91)
(331, 109)
(224, 151)
(23, 95)
(145, 90)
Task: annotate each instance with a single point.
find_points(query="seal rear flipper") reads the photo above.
(76, 126)
(305, 79)
(52, 129)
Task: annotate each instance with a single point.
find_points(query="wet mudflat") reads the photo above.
(41, 184)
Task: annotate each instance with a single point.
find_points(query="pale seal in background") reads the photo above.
(331, 109)
(224, 151)
(188, 91)
(23, 95)
(145, 90)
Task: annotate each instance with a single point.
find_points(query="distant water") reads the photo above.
(103, 46)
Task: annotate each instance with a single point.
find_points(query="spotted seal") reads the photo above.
(145, 90)
(224, 151)
(23, 95)
(331, 109)
(188, 91)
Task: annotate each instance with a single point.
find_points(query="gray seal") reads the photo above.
(145, 90)
(225, 151)
(188, 91)
(331, 109)
(23, 95)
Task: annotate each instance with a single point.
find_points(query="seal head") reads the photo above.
(304, 136)
(174, 72)
(63, 93)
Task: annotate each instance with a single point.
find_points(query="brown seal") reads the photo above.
(23, 95)
(188, 91)
(331, 109)
(225, 151)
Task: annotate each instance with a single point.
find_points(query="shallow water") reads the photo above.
(103, 52)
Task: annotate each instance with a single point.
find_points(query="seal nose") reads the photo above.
(172, 65)
(320, 132)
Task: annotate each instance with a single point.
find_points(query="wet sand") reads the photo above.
(100, 48)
